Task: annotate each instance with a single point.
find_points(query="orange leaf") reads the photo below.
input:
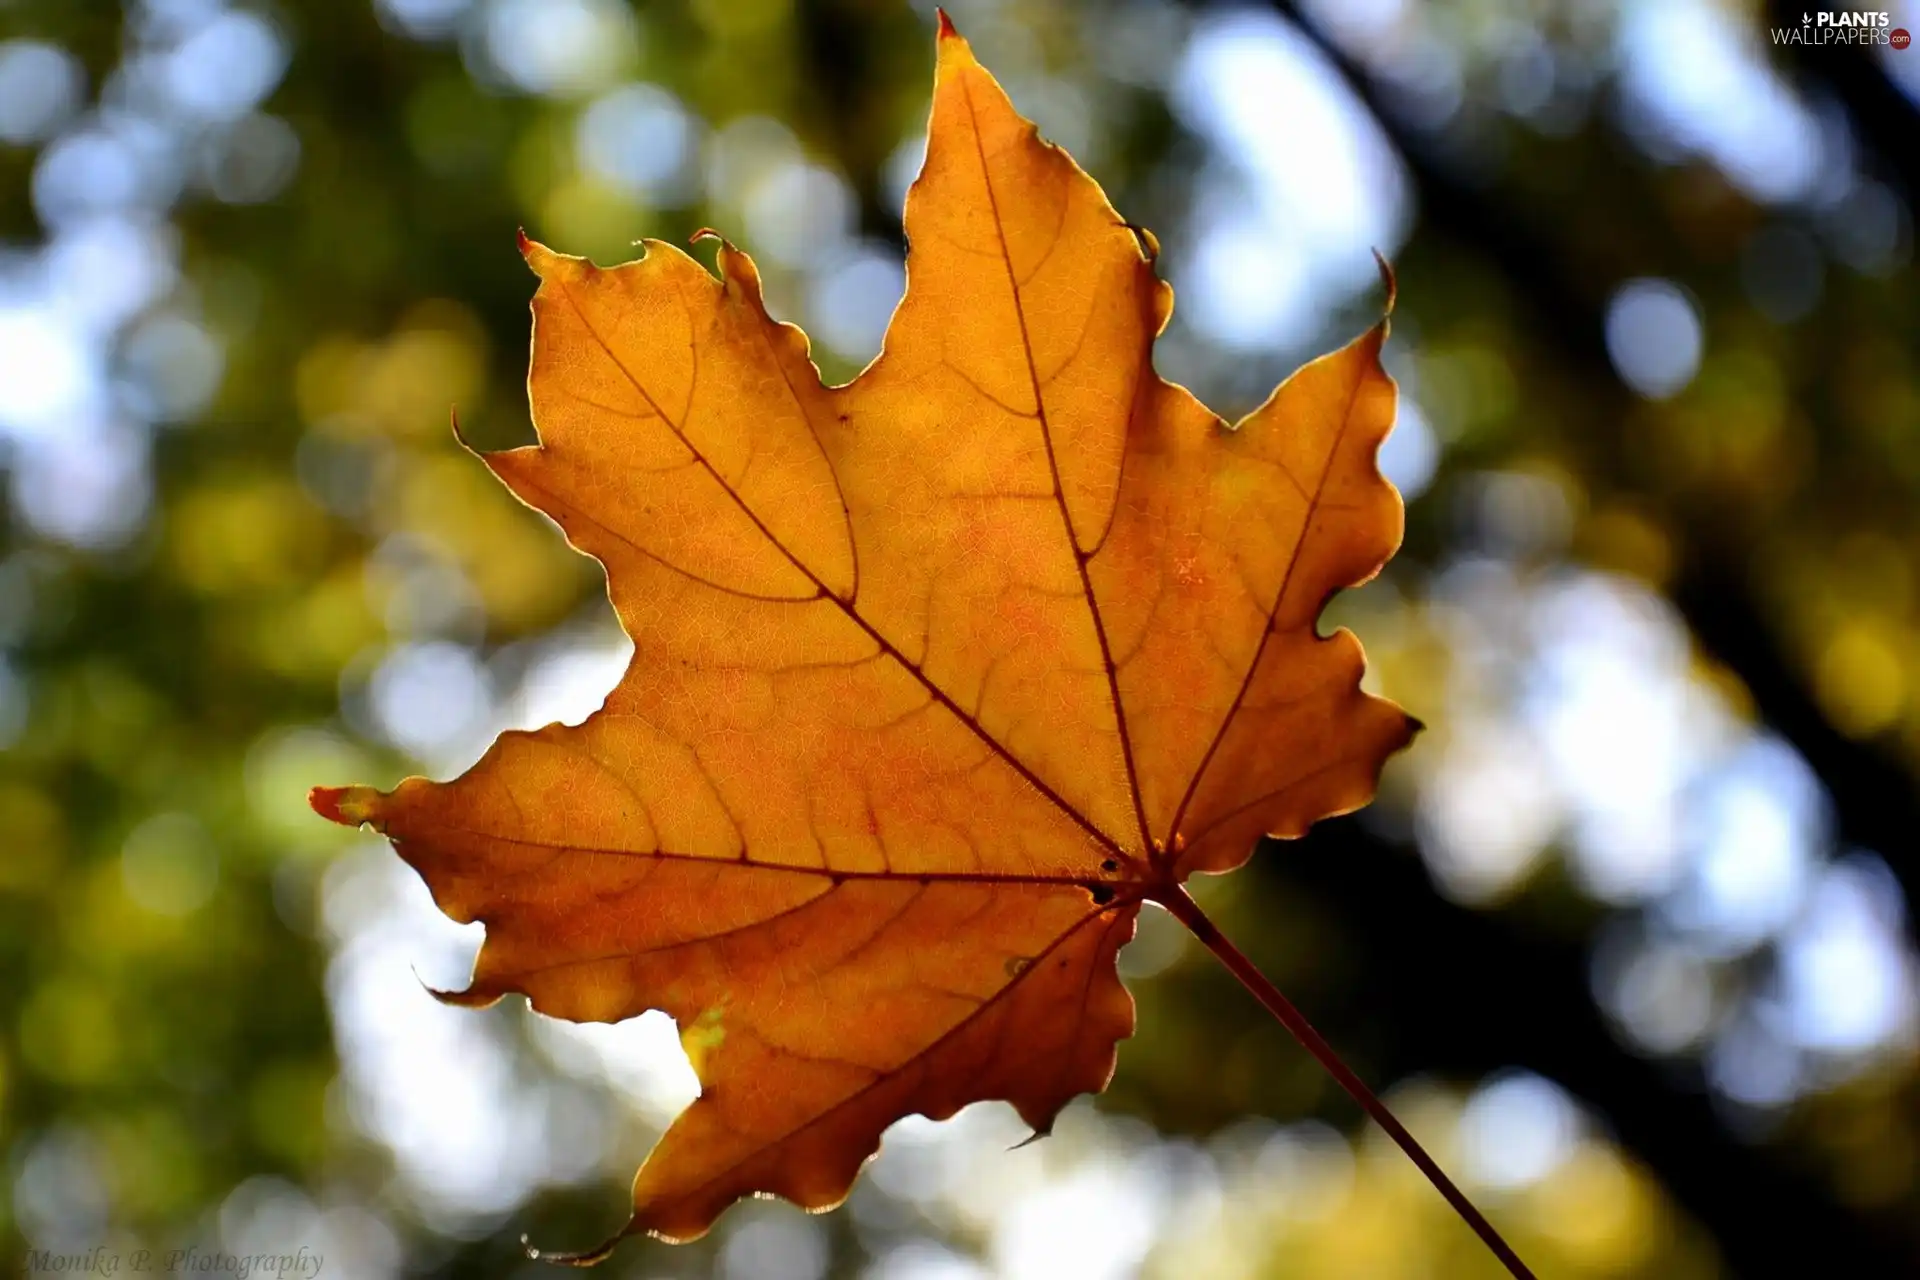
(937, 676)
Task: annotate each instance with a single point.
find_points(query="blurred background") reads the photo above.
(1628, 940)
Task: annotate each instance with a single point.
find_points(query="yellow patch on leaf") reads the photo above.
(937, 676)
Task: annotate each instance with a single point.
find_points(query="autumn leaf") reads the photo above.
(938, 676)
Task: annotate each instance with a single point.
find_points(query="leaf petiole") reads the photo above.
(1176, 899)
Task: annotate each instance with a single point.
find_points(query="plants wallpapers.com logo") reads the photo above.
(1842, 27)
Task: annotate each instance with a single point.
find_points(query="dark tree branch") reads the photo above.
(1874, 800)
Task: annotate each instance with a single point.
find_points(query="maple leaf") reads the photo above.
(938, 676)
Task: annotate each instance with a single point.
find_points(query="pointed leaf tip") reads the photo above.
(1036, 1136)
(348, 806)
(523, 240)
(1387, 280)
(468, 999)
(585, 1258)
(946, 24)
(325, 801)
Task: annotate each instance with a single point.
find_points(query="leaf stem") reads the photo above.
(1188, 912)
